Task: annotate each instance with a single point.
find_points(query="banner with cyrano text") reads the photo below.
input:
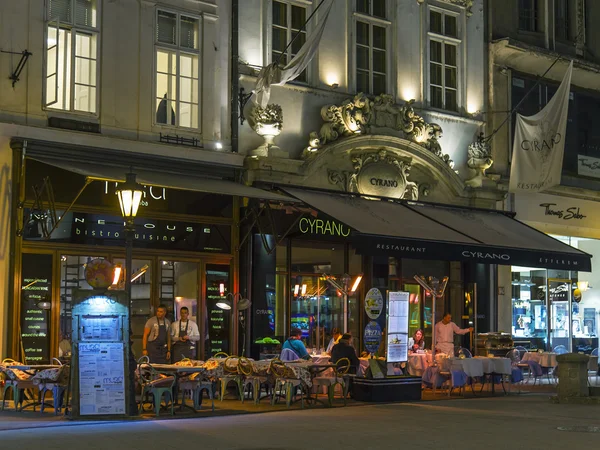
(539, 144)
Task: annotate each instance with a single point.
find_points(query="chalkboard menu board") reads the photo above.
(36, 286)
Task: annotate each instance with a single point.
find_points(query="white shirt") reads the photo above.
(444, 333)
(192, 330)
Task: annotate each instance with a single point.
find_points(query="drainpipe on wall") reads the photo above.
(235, 76)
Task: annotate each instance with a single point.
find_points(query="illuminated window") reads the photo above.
(72, 55)
(444, 46)
(371, 45)
(288, 22)
(177, 69)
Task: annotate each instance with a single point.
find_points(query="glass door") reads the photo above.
(559, 300)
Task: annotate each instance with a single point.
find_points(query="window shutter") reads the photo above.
(85, 13)
(166, 28)
(189, 32)
(60, 10)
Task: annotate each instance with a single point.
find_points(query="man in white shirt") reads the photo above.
(444, 334)
(184, 335)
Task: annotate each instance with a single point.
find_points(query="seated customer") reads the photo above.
(334, 340)
(295, 344)
(418, 342)
(344, 349)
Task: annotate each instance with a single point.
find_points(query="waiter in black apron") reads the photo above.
(184, 335)
(157, 339)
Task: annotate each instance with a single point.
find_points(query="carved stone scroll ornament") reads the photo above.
(479, 159)
(365, 165)
(359, 115)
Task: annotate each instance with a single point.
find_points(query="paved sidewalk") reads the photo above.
(527, 421)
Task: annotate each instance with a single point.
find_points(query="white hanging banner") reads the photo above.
(274, 74)
(539, 144)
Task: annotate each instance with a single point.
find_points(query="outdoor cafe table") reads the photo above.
(495, 366)
(32, 370)
(313, 370)
(543, 359)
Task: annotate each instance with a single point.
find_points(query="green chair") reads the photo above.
(154, 384)
(17, 385)
(285, 380)
(231, 373)
(339, 377)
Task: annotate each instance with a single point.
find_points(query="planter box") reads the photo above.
(400, 389)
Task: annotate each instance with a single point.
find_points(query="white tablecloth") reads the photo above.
(496, 365)
(543, 359)
(473, 367)
(418, 362)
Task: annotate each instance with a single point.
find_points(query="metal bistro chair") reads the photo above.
(464, 353)
(231, 373)
(18, 381)
(339, 377)
(57, 385)
(154, 384)
(285, 380)
(254, 381)
(523, 366)
(594, 367)
(516, 376)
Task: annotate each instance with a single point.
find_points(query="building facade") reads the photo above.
(531, 46)
(98, 88)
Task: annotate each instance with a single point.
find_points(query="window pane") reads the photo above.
(362, 33)
(279, 39)
(362, 81)
(280, 14)
(379, 61)
(298, 17)
(435, 74)
(435, 51)
(186, 63)
(379, 84)
(85, 12)
(276, 57)
(185, 89)
(451, 100)
(60, 10)
(164, 111)
(166, 28)
(162, 85)
(85, 71)
(185, 116)
(450, 79)
(298, 43)
(83, 44)
(188, 32)
(450, 54)
(379, 37)
(362, 6)
(362, 58)
(450, 27)
(379, 8)
(85, 98)
(436, 97)
(435, 22)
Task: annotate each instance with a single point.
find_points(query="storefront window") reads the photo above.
(218, 321)
(530, 322)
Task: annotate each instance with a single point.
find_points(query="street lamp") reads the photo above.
(130, 195)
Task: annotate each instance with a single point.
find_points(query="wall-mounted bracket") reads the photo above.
(17, 72)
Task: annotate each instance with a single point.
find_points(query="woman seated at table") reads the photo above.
(334, 340)
(417, 342)
(295, 344)
(344, 349)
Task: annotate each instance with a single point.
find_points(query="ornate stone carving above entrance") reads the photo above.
(377, 173)
(480, 160)
(359, 116)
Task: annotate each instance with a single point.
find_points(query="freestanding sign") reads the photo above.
(397, 326)
(100, 353)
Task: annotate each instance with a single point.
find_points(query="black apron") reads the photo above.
(185, 349)
(157, 349)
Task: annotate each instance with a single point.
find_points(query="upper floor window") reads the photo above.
(528, 15)
(71, 68)
(177, 69)
(561, 19)
(288, 22)
(371, 47)
(444, 45)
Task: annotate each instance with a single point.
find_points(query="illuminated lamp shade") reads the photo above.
(296, 290)
(303, 289)
(224, 304)
(130, 195)
(356, 283)
(117, 274)
(44, 304)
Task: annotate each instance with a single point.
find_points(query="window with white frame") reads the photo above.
(177, 69)
(371, 47)
(444, 45)
(71, 70)
(287, 26)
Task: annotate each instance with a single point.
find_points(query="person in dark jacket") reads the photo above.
(344, 349)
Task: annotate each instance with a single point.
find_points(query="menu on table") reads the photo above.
(397, 326)
(101, 379)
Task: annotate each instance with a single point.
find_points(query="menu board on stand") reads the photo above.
(397, 327)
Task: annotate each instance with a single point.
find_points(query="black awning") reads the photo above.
(426, 231)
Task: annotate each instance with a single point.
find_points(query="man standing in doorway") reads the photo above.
(156, 343)
(184, 335)
(444, 334)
